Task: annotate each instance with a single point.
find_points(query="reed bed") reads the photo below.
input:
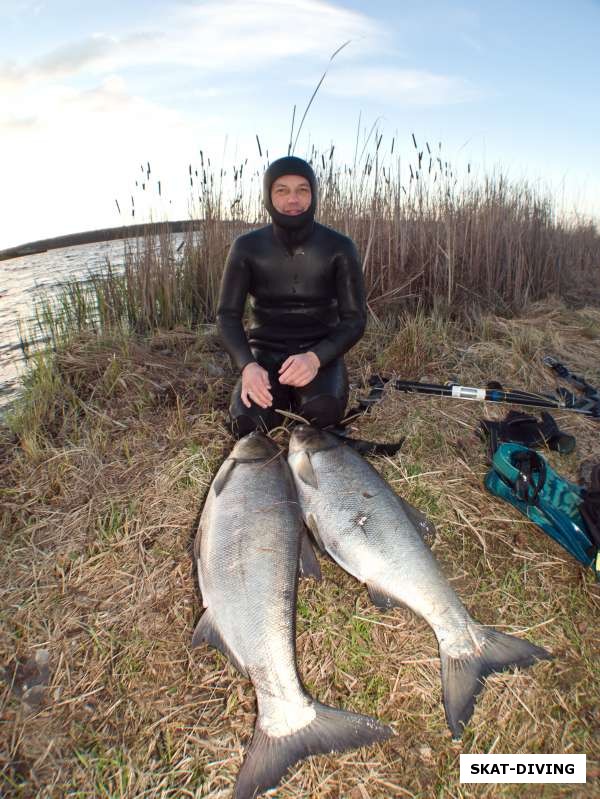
(122, 424)
(429, 237)
(103, 472)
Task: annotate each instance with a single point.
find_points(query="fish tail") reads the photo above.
(463, 678)
(332, 730)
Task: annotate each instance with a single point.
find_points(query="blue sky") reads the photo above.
(89, 91)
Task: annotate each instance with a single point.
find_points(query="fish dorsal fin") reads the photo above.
(305, 471)
(223, 475)
(381, 599)
(206, 630)
(311, 523)
(309, 565)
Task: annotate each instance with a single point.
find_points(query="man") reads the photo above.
(308, 308)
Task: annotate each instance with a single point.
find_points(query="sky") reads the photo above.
(91, 91)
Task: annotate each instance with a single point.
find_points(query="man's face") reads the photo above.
(291, 194)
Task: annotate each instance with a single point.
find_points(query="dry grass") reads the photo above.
(428, 237)
(101, 485)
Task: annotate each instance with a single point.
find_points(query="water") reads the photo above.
(23, 282)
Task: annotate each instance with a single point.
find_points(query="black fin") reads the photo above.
(332, 730)
(424, 527)
(463, 678)
(309, 565)
(305, 470)
(311, 523)
(381, 599)
(366, 447)
(206, 631)
(223, 475)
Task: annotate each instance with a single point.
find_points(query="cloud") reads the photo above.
(19, 124)
(249, 32)
(225, 36)
(71, 58)
(13, 9)
(400, 86)
(97, 54)
(63, 108)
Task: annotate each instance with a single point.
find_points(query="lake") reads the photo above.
(23, 281)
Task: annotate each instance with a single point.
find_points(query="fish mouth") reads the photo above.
(255, 446)
(306, 438)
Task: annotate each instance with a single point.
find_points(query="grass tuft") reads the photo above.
(102, 475)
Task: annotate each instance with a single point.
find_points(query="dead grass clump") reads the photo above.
(95, 568)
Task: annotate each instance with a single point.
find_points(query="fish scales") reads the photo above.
(378, 538)
(247, 550)
(248, 570)
(375, 540)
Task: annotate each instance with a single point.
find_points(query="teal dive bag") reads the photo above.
(522, 477)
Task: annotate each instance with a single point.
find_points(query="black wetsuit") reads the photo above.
(307, 293)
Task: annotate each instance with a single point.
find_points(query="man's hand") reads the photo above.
(299, 370)
(255, 386)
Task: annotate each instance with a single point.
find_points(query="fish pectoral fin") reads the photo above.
(223, 475)
(422, 524)
(311, 523)
(331, 730)
(305, 471)
(381, 598)
(207, 631)
(463, 678)
(309, 565)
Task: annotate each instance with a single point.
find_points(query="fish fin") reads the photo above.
(196, 544)
(199, 575)
(463, 678)
(206, 630)
(305, 470)
(311, 523)
(332, 730)
(223, 475)
(423, 526)
(381, 599)
(309, 565)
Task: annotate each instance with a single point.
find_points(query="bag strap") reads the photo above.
(528, 462)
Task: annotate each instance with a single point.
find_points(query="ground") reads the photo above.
(102, 479)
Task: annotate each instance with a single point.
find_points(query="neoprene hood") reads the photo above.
(290, 165)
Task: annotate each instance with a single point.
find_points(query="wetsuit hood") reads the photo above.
(293, 225)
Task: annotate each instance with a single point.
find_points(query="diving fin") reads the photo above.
(521, 428)
(367, 447)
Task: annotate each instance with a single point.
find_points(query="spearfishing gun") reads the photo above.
(590, 402)
(588, 405)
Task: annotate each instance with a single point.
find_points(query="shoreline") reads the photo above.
(93, 236)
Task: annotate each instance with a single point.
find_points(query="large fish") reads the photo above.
(247, 550)
(377, 537)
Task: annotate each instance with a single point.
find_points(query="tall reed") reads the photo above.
(427, 237)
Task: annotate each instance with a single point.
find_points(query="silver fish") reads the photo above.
(374, 535)
(247, 550)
